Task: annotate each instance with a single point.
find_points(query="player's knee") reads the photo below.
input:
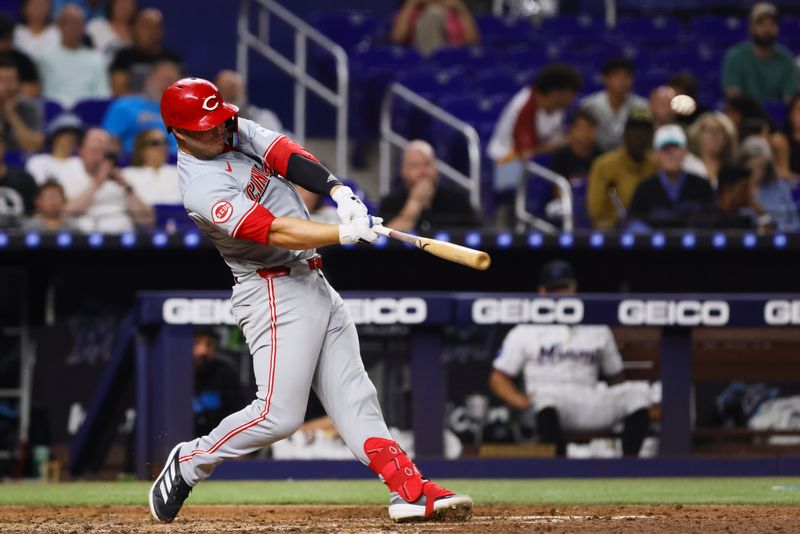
(286, 425)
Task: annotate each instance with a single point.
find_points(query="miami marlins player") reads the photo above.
(237, 180)
(561, 366)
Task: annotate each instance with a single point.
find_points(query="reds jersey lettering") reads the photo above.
(258, 184)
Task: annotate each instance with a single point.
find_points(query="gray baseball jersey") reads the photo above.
(234, 197)
(296, 326)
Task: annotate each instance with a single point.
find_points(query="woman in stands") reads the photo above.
(429, 24)
(153, 179)
(712, 144)
(114, 31)
(772, 192)
(36, 35)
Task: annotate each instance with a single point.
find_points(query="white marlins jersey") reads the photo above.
(559, 354)
(234, 198)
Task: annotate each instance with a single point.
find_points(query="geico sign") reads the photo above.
(409, 310)
(782, 312)
(673, 312)
(197, 311)
(539, 310)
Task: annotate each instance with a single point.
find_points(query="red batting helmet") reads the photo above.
(194, 104)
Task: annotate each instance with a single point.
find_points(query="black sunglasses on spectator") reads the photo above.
(155, 142)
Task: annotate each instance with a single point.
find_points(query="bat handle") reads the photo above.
(381, 229)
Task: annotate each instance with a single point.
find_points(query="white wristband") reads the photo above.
(346, 235)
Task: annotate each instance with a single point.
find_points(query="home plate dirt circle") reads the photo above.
(370, 519)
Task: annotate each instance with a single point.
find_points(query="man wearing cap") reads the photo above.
(615, 175)
(761, 68)
(672, 196)
(561, 365)
(64, 134)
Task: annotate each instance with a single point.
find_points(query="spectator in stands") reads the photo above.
(154, 180)
(661, 106)
(128, 116)
(574, 160)
(736, 207)
(684, 83)
(750, 118)
(131, 64)
(63, 137)
(27, 73)
(36, 35)
(114, 30)
(561, 366)
(712, 144)
(21, 117)
(232, 88)
(424, 203)
(612, 106)
(672, 197)
(771, 192)
(73, 72)
(615, 175)
(50, 214)
(217, 390)
(99, 195)
(318, 211)
(791, 130)
(17, 191)
(760, 68)
(429, 24)
(532, 123)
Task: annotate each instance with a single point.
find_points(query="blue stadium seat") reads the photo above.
(52, 110)
(649, 29)
(469, 57)
(14, 158)
(776, 112)
(525, 56)
(724, 30)
(172, 216)
(92, 112)
(347, 28)
(572, 25)
(495, 82)
(432, 83)
(502, 31)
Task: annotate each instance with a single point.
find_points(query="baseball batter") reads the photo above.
(561, 366)
(237, 182)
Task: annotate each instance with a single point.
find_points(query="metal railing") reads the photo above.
(390, 138)
(297, 67)
(517, 7)
(527, 218)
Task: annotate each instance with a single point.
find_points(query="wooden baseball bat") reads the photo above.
(476, 259)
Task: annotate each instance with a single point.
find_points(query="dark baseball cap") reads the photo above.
(639, 117)
(557, 274)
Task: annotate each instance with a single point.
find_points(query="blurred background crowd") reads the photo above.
(84, 149)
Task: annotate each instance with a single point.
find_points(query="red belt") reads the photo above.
(314, 264)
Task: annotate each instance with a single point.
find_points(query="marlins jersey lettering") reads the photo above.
(559, 354)
(234, 198)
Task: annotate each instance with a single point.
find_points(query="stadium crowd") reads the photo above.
(89, 152)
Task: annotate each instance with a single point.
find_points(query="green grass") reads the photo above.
(539, 491)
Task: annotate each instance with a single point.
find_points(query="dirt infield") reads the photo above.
(358, 519)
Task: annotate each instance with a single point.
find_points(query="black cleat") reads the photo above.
(169, 490)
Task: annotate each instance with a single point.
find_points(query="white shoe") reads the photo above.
(447, 507)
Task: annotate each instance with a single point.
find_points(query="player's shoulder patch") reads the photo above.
(221, 212)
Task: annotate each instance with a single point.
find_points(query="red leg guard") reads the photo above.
(392, 464)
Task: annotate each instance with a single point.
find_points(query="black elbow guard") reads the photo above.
(310, 175)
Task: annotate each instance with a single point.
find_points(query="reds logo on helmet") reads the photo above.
(221, 212)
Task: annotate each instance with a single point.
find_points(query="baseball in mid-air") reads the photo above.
(683, 104)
